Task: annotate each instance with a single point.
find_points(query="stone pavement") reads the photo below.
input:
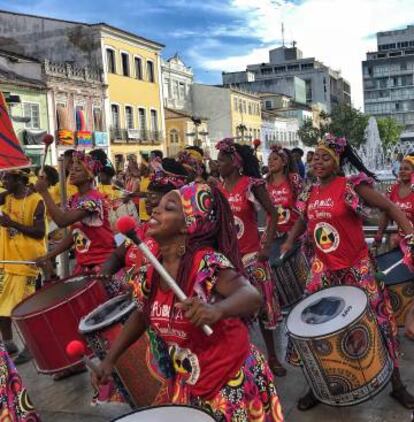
(68, 400)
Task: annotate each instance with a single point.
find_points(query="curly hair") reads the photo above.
(251, 165)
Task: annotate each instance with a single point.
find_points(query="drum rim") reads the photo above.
(92, 281)
(83, 329)
(290, 334)
(141, 409)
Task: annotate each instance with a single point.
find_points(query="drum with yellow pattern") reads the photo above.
(343, 354)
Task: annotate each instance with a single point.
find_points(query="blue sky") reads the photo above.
(216, 35)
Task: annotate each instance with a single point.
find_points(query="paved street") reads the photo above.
(68, 400)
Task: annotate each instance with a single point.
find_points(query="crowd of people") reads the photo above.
(202, 218)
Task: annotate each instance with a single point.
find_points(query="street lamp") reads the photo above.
(197, 122)
(242, 129)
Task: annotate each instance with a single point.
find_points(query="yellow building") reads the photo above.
(134, 106)
(246, 117)
(183, 129)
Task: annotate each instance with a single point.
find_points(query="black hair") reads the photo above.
(349, 156)
(251, 165)
(51, 173)
(69, 153)
(172, 166)
(109, 171)
(99, 155)
(299, 151)
(195, 148)
(157, 153)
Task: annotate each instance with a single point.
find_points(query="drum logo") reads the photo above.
(239, 227)
(326, 237)
(185, 363)
(81, 241)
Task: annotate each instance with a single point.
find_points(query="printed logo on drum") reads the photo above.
(81, 241)
(185, 363)
(326, 237)
(239, 227)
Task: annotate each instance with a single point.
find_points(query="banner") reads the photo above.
(11, 152)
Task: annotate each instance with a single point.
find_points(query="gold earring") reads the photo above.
(181, 250)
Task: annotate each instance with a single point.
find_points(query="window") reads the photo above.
(150, 71)
(125, 64)
(115, 116)
(110, 60)
(175, 89)
(142, 120)
(129, 117)
(268, 105)
(154, 121)
(249, 107)
(181, 88)
(167, 93)
(97, 119)
(32, 111)
(244, 107)
(138, 68)
(174, 136)
(235, 103)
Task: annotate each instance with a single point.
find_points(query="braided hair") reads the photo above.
(350, 157)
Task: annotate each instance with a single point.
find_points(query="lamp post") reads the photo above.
(197, 122)
(241, 128)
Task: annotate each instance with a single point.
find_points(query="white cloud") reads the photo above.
(337, 32)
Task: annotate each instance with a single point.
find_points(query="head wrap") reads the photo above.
(227, 146)
(192, 160)
(91, 166)
(198, 206)
(334, 146)
(278, 149)
(162, 177)
(410, 159)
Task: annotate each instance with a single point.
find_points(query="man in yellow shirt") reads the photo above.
(23, 227)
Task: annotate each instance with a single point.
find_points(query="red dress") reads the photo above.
(244, 207)
(405, 204)
(92, 236)
(222, 373)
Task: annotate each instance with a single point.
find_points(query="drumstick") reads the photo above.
(18, 262)
(126, 225)
(126, 192)
(389, 269)
(76, 349)
(47, 140)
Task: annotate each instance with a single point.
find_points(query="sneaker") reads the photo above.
(11, 347)
(23, 357)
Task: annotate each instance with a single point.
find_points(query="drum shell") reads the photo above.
(336, 376)
(47, 332)
(137, 381)
(402, 295)
(291, 275)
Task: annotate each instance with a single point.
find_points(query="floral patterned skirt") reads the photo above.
(15, 403)
(261, 276)
(362, 275)
(250, 396)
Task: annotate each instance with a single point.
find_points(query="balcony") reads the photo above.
(135, 136)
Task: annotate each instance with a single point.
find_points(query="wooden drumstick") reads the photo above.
(9, 262)
(126, 225)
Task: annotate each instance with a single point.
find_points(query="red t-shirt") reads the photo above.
(203, 364)
(241, 202)
(284, 200)
(334, 226)
(133, 255)
(405, 204)
(92, 236)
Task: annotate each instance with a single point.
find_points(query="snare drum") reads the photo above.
(135, 375)
(48, 320)
(400, 283)
(291, 274)
(340, 345)
(170, 413)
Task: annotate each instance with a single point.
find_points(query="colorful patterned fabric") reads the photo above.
(197, 201)
(250, 396)
(162, 177)
(191, 160)
(261, 276)
(15, 404)
(227, 146)
(333, 146)
(91, 166)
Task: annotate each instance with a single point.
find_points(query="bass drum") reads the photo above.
(400, 283)
(340, 345)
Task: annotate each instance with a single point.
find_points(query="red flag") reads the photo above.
(11, 153)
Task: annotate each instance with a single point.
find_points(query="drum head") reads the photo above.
(400, 274)
(170, 413)
(107, 314)
(327, 311)
(50, 296)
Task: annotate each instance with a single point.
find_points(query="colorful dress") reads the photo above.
(222, 373)
(334, 221)
(92, 236)
(244, 207)
(15, 404)
(19, 281)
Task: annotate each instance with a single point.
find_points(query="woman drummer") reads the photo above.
(283, 184)
(222, 373)
(87, 215)
(401, 194)
(244, 188)
(331, 211)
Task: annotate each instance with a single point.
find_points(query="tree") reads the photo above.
(343, 121)
(389, 131)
